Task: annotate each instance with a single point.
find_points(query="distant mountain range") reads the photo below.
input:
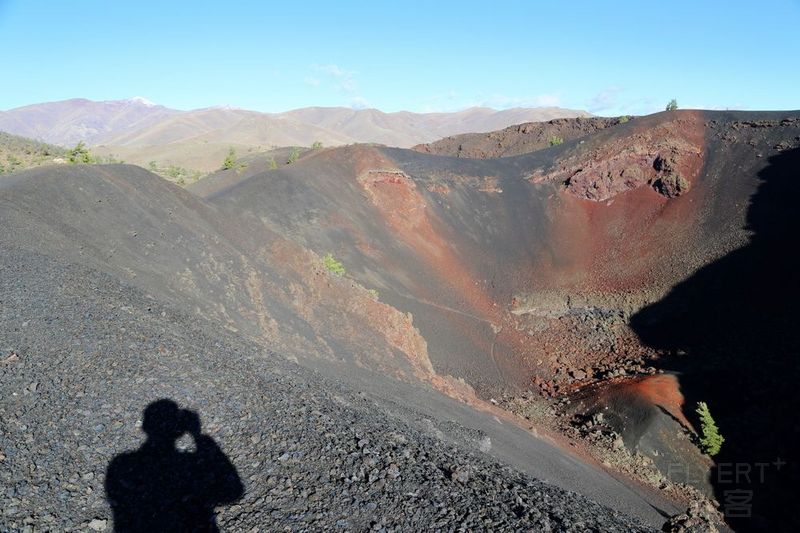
(139, 122)
(138, 130)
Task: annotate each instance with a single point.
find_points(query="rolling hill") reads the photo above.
(19, 153)
(138, 131)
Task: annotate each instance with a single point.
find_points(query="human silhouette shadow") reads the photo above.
(732, 334)
(160, 488)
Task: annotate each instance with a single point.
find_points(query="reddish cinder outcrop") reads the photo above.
(667, 157)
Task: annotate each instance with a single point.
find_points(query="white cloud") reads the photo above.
(359, 102)
(332, 70)
(604, 100)
(342, 79)
(339, 79)
(348, 85)
(441, 103)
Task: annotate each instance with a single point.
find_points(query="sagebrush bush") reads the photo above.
(230, 160)
(332, 265)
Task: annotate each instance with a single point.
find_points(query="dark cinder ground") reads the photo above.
(83, 354)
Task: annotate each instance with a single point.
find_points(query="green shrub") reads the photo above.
(272, 163)
(374, 293)
(710, 440)
(555, 141)
(332, 265)
(316, 146)
(672, 105)
(175, 172)
(230, 160)
(623, 119)
(294, 156)
(80, 154)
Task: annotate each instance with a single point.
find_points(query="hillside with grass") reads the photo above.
(19, 153)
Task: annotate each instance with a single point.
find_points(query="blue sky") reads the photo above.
(606, 57)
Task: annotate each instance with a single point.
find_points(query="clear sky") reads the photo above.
(606, 57)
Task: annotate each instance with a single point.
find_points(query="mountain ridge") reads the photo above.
(137, 121)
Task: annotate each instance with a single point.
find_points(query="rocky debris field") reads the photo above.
(82, 355)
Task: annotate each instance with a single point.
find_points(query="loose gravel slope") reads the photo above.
(83, 354)
(326, 412)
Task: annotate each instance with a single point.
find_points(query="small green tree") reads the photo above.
(316, 146)
(710, 440)
(555, 140)
(672, 105)
(294, 156)
(79, 154)
(332, 265)
(230, 160)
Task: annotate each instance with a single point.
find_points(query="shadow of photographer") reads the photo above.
(161, 488)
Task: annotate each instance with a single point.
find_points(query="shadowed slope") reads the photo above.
(730, 330)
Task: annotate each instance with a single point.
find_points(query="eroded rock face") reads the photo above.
(667, 158)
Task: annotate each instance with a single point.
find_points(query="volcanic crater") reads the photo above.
(537, 309)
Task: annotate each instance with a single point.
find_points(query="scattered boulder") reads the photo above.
(671, 185)
(98, 524)
(700, 516)
(664, 163)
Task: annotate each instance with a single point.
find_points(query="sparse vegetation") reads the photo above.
(374, 293)
(272, 163)
(19, 153)
(672, 105)
(555, 140)
(623, 119)
(332, 265)
(710, 439)
(180, 175)
(80, 154)
(294, 156)
(230, 160)
(316, 146)
(107, 160)
(13, 162)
